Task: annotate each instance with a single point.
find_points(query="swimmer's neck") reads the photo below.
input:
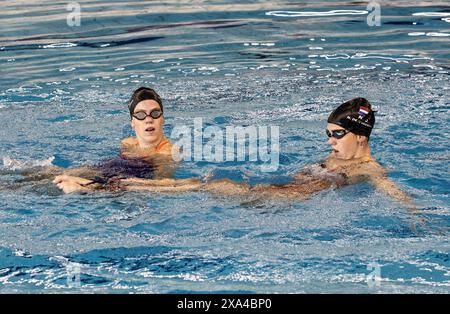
(362, 153)
(150, 146)
(361, 156)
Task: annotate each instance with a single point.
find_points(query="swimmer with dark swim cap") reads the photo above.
(348, 130)
(349, 127)
(147, 120)
(356, 115)
(148, 154)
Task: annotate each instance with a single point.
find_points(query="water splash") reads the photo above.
(15, 164)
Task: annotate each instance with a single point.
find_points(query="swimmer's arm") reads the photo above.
(378, 177)
(158, 182)
(70, 184)
(163, 185)
(223, 186)
(219, 187)
(384, 184)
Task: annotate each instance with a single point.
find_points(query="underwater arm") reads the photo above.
(76, 180)
(71, 184)
(383, 183)
(223, 186)
(377, 175)
(160, 185)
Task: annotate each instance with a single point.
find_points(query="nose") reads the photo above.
(331, 141)
(147, 118)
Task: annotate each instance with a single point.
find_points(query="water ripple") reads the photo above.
(315, 14)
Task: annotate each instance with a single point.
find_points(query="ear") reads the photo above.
(361, 138)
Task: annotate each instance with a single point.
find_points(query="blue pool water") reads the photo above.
(63, 93)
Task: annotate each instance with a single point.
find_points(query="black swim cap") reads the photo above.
(141, 94)
(355, 115)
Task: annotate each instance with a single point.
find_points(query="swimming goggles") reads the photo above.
(337, 134)
(141, 115)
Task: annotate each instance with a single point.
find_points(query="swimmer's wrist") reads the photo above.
(96, 183)
(95, 180)
(110, 184)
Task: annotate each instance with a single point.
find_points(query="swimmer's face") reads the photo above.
(345, 147)
(148, 131)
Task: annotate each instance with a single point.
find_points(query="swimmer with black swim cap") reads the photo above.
(147, 120)
(356, 115)
(148, 154)
(348, 130)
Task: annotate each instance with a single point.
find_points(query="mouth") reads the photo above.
(335, 151)
(150, 129)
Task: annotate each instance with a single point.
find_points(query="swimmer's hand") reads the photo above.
(71, 184)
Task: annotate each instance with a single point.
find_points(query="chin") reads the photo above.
(341, 157)
(151, 139)
(337, 156)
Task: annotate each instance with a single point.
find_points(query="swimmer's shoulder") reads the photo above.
(374, 168)
(368, 168)
(128, 147)
(129, 142)
(371, 163)
(167, 148)
(164, 146)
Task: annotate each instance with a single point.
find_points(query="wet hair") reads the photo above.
(355, 115)
(141, 94)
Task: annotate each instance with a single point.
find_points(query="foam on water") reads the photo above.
(14, 164)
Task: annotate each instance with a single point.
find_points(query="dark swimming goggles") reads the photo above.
(141, 115)
(337, 134)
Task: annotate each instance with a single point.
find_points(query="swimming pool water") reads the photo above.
(63, 96)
